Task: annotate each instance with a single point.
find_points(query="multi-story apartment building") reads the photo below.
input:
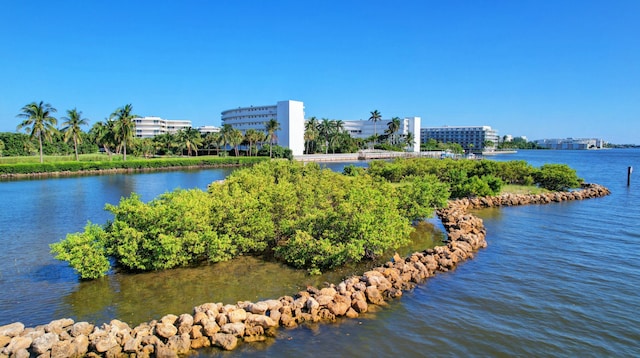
(473, 139)
(571, 143)
(290, 116)
(366, 129)
(149, 127)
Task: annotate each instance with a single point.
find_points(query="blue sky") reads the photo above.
(542, 69)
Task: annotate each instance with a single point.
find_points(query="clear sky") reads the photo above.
(542, 69)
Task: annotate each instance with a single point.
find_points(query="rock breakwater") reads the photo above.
(227, 325)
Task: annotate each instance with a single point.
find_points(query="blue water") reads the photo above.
(555, 280)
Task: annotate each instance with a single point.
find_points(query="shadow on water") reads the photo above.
(140, 297)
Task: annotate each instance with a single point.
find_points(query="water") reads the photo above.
(555, 280)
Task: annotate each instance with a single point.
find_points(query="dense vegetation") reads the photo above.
(303, 215)
(138, 163)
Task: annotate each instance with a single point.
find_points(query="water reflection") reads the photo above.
(140, 297)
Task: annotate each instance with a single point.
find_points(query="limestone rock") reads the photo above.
(237, 329)
(79, 328)
(12, 330)
(166, 329)
(44, 343)
(225, 341)
(17, 343)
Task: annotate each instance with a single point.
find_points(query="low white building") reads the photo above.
(289, 114)
(472, 138)
(149, 127)
(366, 129)
(571, 143)
(204, 130)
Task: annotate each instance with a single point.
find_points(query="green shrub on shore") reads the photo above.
(158, 163)
(478, 177)
(304, 215)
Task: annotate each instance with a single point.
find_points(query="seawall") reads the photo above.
(227, 325)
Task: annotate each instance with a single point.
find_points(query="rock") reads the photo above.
(170, 318)
(184, 323)
(166, 329)
(312, 304)
(258, 308)
(17, 343)
(12, 330)
(225, 341)
(58, 326)
(340, 305)
(200, 318)
(196, 331)
(22, 353)
(44, 343)
(373, 295)
(132, 345)
(63, 349)
(105, 343)
(351, 313)
(80, 345)
(262, 321)
(79, 328)
(165, 352)
(4, 340)
(237, 315)
(181, 344)
(200, 342)
(210, 328)
(324, 300)
(237, 329)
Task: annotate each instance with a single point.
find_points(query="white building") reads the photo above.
(366, 129)
(204, 130)
(571, 143)
(149, 127)
(289, 114)
(470, 138)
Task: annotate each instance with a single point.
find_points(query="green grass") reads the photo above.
(522, 189)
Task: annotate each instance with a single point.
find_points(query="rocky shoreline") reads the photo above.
(227, 325)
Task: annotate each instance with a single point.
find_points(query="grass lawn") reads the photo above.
(522, 189)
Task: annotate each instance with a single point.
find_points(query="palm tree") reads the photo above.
(72, 129)
(165, 142)
(408, 139)
(225, 135)
(211, 139)
(38, 122)
(190, 138)
(103, 133)
(235, 138)
(124, 127)
(272, 126)
(310, 132)
(324, 129)
(337, 127)
(375, 117)
(253, 136)
(393, 127)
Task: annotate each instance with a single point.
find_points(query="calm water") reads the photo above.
(555, 280)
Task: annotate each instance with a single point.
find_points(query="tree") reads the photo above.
(324, 129)
(124, 129)
(212, 139)
(408, 139)
(253, 136)
(1, 147)
(190, 139)
(104, 134)
(72, 129)
(310, 133)
(393, 127)
(165, 143)
(235, 138)
(38, 122)
(375, 117)
(272, 126)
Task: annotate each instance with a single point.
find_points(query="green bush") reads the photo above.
(85, 252)
(557, 177)
(306, 216)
